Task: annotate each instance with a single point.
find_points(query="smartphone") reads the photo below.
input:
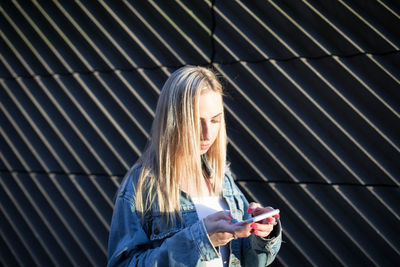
(260, 217)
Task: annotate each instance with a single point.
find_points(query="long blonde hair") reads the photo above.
(173, 152)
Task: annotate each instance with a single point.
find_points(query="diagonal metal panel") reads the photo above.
(312, 108)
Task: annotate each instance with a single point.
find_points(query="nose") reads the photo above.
(205, 133)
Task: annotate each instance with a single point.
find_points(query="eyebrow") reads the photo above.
(217, 115)
(214, 116)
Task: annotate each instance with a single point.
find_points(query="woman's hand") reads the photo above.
(262, 228)
(221, 231)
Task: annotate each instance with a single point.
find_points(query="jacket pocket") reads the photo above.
(160, 230)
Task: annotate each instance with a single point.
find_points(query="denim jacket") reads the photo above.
(186, 242)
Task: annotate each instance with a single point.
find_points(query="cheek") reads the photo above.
(215, 130)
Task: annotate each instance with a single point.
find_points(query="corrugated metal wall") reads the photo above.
(313, 93)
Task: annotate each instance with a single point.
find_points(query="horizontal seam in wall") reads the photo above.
(255, 61)
(91, 175)
(317, 183)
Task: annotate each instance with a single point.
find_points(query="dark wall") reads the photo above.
(312, 106)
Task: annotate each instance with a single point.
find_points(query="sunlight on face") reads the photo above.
(210, 108)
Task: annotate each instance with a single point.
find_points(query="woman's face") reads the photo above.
(210, 108)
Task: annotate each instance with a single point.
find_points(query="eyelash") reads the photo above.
(215, 121)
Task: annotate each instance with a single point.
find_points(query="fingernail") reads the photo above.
(270, 220)
(250, 210)
(230, 217)
(255, 232)
(254, 226)
(276, 216)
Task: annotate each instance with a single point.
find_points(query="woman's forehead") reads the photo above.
(210, 104)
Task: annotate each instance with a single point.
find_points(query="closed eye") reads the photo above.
(216, 118)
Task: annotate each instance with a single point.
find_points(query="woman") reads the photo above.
(179, 205)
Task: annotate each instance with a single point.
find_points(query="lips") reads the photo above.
(204, 146)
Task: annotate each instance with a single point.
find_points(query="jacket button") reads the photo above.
(156, 231)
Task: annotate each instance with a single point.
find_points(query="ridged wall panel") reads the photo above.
(312, 99)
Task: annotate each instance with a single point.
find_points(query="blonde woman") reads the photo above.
(178, 205)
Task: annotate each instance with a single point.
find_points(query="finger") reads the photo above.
(270, 220)
(261, 227)
(262, 233)
(241, 227)
(277, 216)
(261, 210)
(241, 231)
(220, 215)
(262, 230)
(253, 206)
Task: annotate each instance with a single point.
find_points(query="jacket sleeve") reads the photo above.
(255, 250)
(129, 245)
(260, 251)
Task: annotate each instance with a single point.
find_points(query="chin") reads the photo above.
(202, 152)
